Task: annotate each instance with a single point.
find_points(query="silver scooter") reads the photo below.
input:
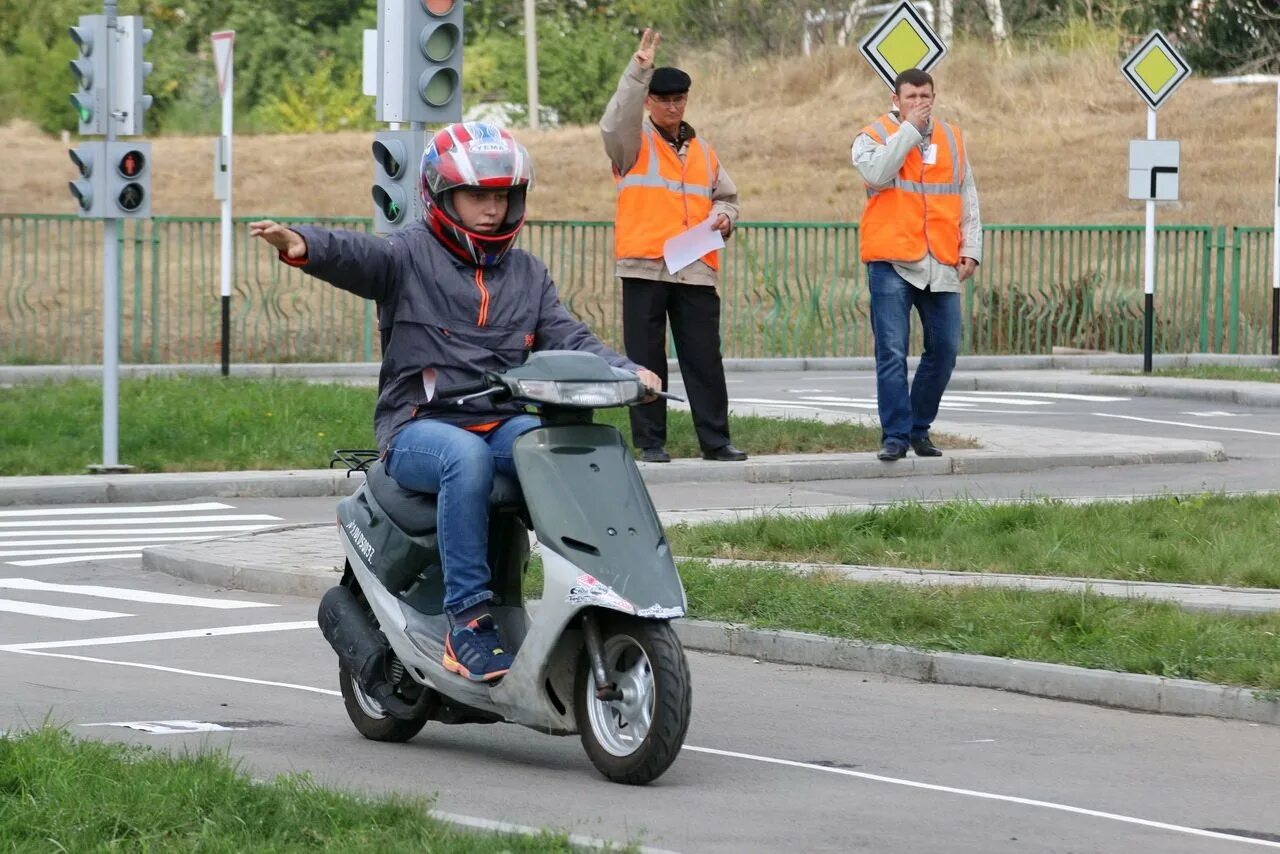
(596, 655)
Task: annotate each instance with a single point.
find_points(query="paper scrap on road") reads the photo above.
(688, 246)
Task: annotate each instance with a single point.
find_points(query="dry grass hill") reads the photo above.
(1048, 134)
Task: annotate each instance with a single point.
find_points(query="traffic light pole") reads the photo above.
(110, 303)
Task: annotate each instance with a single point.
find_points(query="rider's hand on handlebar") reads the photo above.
(651, 382)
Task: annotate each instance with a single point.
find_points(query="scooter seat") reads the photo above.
(415, 512)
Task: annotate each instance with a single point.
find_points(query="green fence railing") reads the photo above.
(787, 289)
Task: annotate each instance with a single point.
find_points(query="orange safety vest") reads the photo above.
(920, 212)
(662, 195)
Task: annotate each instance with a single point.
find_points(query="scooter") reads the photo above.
(596, 655)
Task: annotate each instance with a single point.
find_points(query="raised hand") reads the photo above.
(648, 47)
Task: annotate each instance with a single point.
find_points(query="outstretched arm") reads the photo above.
(351, 260)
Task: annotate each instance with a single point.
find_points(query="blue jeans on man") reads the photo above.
(458, 466)
(906, 414)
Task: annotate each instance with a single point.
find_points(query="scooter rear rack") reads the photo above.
(355, 459)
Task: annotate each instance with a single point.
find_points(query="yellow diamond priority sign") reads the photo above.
(1155, 69)
(900, 41)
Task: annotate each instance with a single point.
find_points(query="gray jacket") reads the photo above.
(622, 129)
(439, 314)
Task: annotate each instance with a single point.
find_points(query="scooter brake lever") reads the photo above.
(489, 392)
(669, 396)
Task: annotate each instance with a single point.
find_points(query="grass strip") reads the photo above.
(1211, 372)
(1084, 629)
(170, 424)
(58, 793)
(1202, 539)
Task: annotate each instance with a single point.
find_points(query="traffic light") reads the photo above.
(420, 61)
(128, 180)
(88, 190)
(397, 155)
(90, 71)
(128, 75)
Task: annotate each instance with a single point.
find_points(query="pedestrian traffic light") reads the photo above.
(128, 75)
(88, 190)
(128, 180)
(396, 157)
(420, 61)
(90, 71)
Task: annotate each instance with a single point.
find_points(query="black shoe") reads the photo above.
(891, 451)
(655, 455)
(925, 448)
(725, 454)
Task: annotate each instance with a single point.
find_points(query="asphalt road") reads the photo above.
(778, 758)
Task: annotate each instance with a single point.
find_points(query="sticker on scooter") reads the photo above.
(587, 589)
(658, 612)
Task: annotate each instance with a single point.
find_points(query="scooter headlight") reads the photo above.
(592, 395)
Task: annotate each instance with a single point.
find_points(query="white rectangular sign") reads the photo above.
(1153, 169)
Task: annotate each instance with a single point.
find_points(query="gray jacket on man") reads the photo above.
(623, 127)
(445, 322)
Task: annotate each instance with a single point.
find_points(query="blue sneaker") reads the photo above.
(475, 651)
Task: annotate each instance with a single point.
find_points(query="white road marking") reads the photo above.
(790, 763)
(974, 793)
(1187, 424)
(102, 510)
(35, 609)
(1007, 401)
(194, 530)
(243, 517)
(80, 541)
(52, 561)
(128, 595)
(1217, 413)
(101, 550)
(170, 727)
(1058, 395)
(162, 636)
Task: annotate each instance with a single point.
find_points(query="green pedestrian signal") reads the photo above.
(396, 156)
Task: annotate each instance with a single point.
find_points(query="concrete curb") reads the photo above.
(314, 571)
(1056, 681)
(782, 468)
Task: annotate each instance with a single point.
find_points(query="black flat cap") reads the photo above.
(668, 81)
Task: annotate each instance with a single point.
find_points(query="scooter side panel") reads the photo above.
(407, 566)
(590, 506)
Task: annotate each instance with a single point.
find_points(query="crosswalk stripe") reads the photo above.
(1059, 395)
(56, 612)
(193, 530)
(242, 517)
(51, 561)
(96, 542)
(112, 509)
(1008, 401)
(221, 631)
(40, 552)
(127, 594)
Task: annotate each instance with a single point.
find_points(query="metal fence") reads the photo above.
(788, 289)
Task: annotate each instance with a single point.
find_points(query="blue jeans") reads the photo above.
(458, 465)
(908, 415)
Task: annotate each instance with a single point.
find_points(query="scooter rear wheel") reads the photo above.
(635, 739)
(371, 719)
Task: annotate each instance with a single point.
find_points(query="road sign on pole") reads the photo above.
(901, 40)
(1155, 70)
(1153, 170)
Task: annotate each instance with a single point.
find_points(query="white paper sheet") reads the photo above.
(685, 248)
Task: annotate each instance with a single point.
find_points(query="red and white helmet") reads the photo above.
(474, 154)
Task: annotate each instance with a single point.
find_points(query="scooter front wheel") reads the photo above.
(635, 739)
(370, 717)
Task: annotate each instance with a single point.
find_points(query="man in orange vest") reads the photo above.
(669, 180)
(921, 238)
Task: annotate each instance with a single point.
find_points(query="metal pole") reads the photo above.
(1148, 266)
(1275, 242)
(110, 290)
(227, 115)
(531, 60)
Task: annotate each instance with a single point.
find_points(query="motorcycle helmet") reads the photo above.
(474, 154)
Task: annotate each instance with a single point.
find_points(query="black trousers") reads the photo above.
(694, 311)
